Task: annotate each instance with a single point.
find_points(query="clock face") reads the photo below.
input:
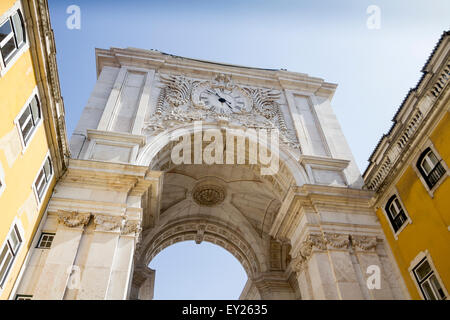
(224, 101)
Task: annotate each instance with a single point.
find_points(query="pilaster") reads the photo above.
(60, 260)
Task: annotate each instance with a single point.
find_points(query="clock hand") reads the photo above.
(228, 104)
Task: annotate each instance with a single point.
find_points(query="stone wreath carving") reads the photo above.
(73, 219)
(365, 243)
(208, 195)
(329, 241)
(131, 226)
(175, 106)
(107, 223)
(312, 241)
(337, 240)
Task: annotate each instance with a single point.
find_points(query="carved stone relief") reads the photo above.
(73, 219)
(178, 103)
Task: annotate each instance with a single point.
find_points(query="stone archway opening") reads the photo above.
(186, 270)
(230, 205)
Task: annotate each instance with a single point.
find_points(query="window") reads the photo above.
(43, 178)
(23, 297)
(46, 240)
(427, 281)
(395, 213)
(8, 253)
(29, 119)
(430, 167)
(12, 36)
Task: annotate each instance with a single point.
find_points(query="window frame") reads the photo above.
(395, 195)
(39, 244)
(26, 141)
(422, 173)
(18, 296)
(48, 181)
(8, 16)
(14, 252)
(417, 262)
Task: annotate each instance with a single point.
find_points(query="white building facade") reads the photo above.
(303, 231)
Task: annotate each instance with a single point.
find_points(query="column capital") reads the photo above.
(364, 243)
(131, 227)
(73, 219)
(337, 240)
(298, 264)
(273, 285)
(107, 223)
(312, 242)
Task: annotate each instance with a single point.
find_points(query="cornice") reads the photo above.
(313, 196)
(116, 136)
(398, 151)
(422, 104)
(324, 162)
(271, 78)
(44, 57)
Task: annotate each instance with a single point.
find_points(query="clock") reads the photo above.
(222, 100)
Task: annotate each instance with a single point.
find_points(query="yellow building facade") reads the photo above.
(409, 172)
(33, 150)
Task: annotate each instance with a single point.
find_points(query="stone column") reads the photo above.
(122, 267)
(299, 124)
(365, 251)
(143, 284)
(301, 272)
(97, 266)
(54, 276)
(105, 121)
(313, 253)
(347, 282)
(143, 103)
(274, 286)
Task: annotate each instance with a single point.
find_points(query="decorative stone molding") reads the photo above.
(265, 101)
(73, 219)
(312, 241)
(107, 223)
(47, 40)
(176, 106)
(214, 232)
(200, 233)
(420, 107)
(131, 226)
(364, 243)
(222, 81)
(299, 264)
(337, 240)
(208, 195)
(177, 91)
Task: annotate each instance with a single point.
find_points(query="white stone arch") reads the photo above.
(211, 229)
(160, 146)
(223, 224)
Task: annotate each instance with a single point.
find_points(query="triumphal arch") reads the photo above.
(171, 149)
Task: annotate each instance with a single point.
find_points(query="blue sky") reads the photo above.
(374, 70)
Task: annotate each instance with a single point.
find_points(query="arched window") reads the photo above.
(12, 36)
(430, 167)
(396, 213)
